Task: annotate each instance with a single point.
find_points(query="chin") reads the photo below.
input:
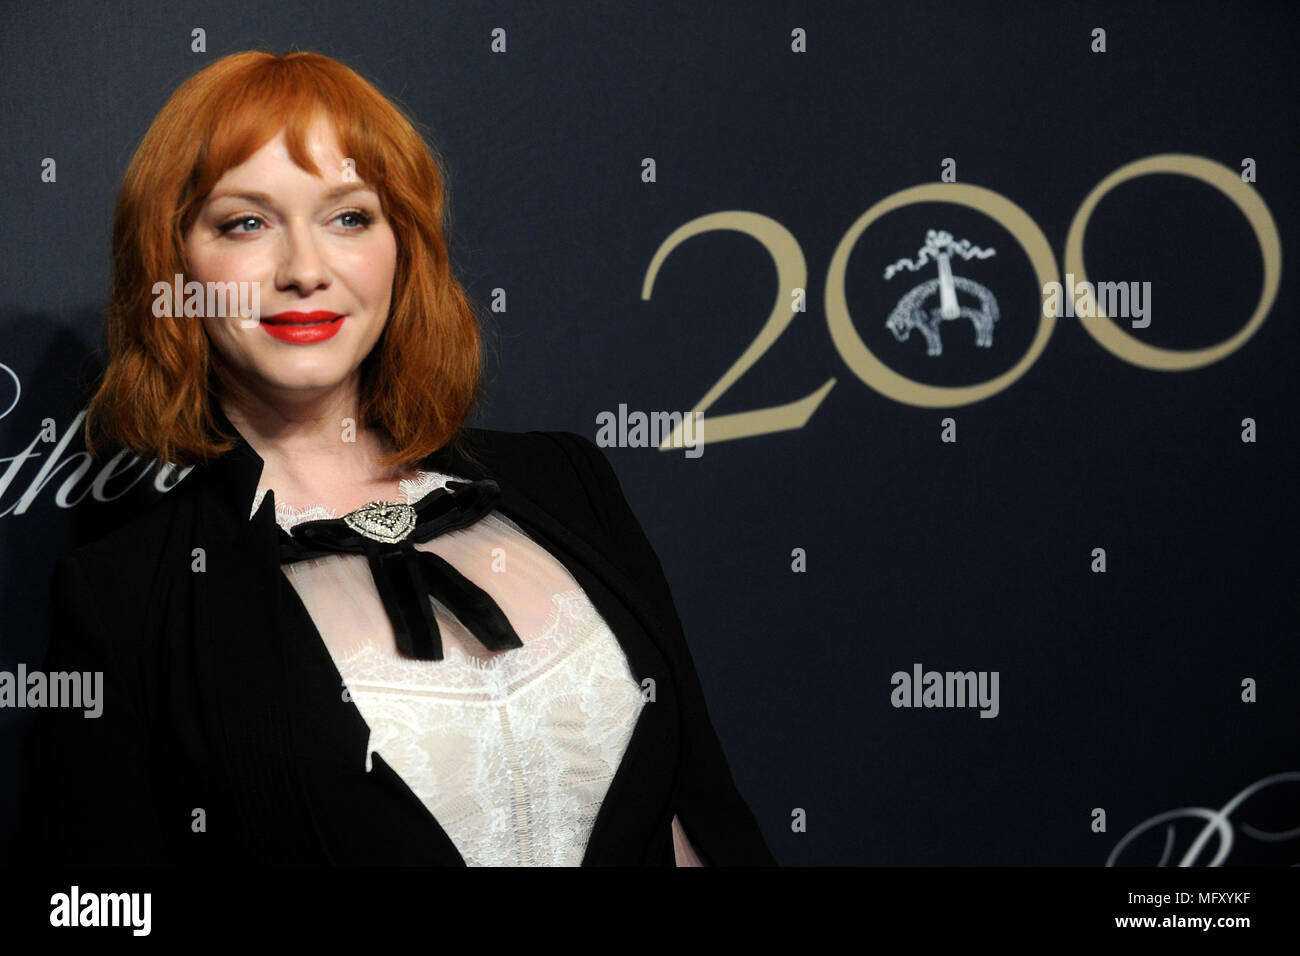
(303, 379)
(309, 383)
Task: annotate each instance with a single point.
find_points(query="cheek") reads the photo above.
(226, 264)
(383, 267)
(217, 335)
(371, 277)
(228, 340)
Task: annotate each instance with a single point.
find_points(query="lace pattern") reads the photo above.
(512, 752)
(286, 516)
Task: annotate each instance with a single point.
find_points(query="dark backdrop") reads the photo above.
(1119, 690)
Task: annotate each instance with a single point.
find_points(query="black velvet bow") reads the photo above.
(406, 576)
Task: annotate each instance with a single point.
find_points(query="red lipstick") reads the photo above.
(303, 328)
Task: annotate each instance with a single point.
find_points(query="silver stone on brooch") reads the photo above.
(386, 521)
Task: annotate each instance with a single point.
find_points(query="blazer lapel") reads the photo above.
(293, 744)
(296, 745)
(239, 659)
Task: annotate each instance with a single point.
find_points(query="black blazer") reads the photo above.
(219, 693)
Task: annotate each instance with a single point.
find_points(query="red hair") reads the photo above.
(423, 376)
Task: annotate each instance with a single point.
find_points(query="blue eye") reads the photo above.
(228, 226)
(363, 221)
(364, 217)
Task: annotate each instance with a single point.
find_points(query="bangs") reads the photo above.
(251, 109)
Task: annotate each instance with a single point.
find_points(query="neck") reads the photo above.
(309, 443)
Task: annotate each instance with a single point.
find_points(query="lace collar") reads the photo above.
(412, 489)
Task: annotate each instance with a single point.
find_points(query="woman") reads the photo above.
(357, 631)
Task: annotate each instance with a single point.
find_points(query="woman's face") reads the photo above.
(313, 245)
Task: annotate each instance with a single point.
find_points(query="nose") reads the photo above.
(301, 265)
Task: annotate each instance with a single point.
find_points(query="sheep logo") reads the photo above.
(911, 312)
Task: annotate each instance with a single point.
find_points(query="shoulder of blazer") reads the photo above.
(570, 477)
(551, 469)
(625, 539)
(122, 568)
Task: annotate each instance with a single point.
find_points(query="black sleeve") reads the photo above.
(92, 796)
(716, 818)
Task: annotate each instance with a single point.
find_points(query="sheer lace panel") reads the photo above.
(511, 751)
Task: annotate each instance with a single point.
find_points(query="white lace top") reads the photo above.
(512, 751)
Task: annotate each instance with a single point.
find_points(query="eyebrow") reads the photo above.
(265, 200)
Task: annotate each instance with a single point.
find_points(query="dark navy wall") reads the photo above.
(1119, 691)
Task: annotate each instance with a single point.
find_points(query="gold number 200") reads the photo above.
(792, 274)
